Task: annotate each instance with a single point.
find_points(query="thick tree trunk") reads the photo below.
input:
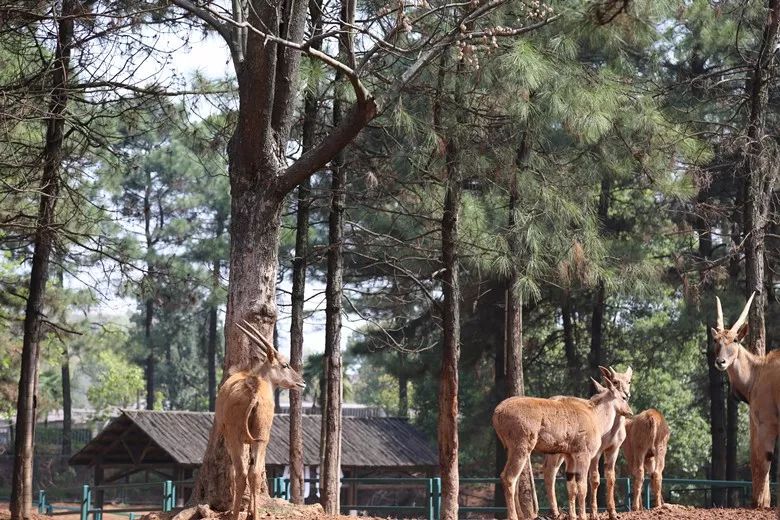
(448, 380)
(760, 175)
(255, 227)
(21, 483)
(499, 385)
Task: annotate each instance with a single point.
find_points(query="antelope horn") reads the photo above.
(265, 342)
(256, 339)
(719, 325)
(612, 371)
(744, 315)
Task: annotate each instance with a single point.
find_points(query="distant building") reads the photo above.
(171, 445)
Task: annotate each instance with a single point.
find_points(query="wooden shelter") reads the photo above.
(171, 445)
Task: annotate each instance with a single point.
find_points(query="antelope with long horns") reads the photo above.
(755, 380)
(573, 427)
(611, 440)
(244, 413)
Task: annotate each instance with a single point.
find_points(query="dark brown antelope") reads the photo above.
(755, 380)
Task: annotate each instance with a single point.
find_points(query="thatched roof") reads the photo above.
(149, 437)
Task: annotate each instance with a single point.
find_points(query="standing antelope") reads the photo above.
(755, 380)
(244, 413)
(647, 437)
(571, 427)
(611, 440)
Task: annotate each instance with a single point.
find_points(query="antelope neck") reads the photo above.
(606, 414)
(742, 372)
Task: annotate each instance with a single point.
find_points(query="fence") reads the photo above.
(678, 491)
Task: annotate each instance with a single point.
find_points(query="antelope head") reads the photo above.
(727, 340)
(276, 367)
(617, 397)
(622, 381)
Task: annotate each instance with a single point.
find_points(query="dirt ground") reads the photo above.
(283, 511)
(672, 512)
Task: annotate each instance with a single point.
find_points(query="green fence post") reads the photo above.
(430, 499)
(132, 516)
(647, 494)
(166, 506)
(85, 502)
(287, 489)
(628, 494)
(41, 501)
(436, 498)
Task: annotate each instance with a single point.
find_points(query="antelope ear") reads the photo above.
(742, 332)
(598, 386)
(605, 372)
(629, 372)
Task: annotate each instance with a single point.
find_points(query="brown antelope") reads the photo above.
(647, 437)
(611, 440)
(571, 427)
(244, 413)
(755, 380)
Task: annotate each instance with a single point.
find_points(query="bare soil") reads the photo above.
(674, 512)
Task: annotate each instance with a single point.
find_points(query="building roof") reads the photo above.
(154, 437)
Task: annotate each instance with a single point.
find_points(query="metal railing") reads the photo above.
(676, 490)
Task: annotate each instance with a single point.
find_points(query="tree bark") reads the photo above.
(714, 378)
(597, 354)
(330, 481)
(760, 175)
(573, 366)
(21, 483)
(403, 387)
(148, 341)
(310, 110)
(515, 384)
(448, 380)
(67, 420)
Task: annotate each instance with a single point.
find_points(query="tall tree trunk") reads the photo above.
(760, 175)
(67, 407)
(447, 427)
(515, 385)
(714, 376)
(330, 479)
(21, 483)
(310, 110)
(448, 380)
(597, 354)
